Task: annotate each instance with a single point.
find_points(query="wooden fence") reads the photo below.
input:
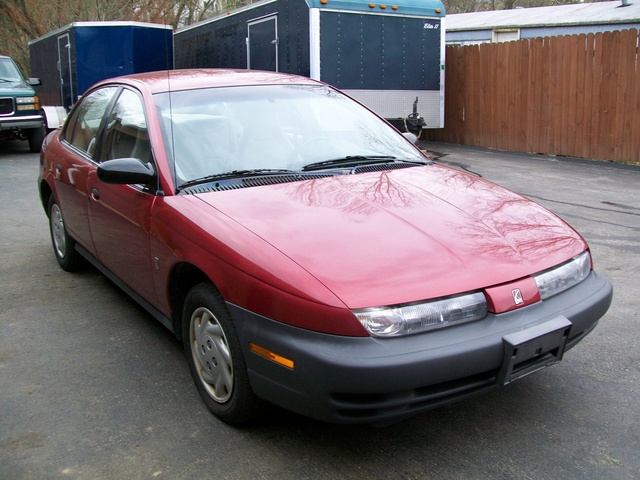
(575, 95)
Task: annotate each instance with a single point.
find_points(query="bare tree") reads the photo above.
(24, 20)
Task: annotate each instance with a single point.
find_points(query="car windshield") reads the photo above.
(209, 132)
(8, 71)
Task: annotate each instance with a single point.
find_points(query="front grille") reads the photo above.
(380, 406)
(6, 106)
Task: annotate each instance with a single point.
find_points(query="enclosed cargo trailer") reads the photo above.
(388, 56)
(71, 59)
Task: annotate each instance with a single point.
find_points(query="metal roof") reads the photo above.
(576, 14)
(429, 8)
(107, 23)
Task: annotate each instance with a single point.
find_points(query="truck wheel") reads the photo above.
(35, 137)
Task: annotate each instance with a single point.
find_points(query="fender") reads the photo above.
(53, 117)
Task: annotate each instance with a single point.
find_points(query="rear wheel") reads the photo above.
(63, 245)
(215, 356)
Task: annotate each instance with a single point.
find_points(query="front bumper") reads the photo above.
(19, 123)
(368, 380)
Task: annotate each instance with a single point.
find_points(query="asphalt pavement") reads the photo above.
(92, 387)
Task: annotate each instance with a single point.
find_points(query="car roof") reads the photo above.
(191, 79)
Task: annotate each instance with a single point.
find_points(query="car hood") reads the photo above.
(405, 235)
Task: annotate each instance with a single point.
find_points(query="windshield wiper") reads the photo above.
(349, 161)
(232, 174)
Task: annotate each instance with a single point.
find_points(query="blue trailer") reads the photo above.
(71, 59)
(389, 56)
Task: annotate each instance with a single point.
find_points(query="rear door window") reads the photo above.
(83, 126)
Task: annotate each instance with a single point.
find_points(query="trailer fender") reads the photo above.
(54, 117)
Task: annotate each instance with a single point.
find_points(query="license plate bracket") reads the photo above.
(533, 349)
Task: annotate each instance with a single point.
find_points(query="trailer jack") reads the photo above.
(414, 123)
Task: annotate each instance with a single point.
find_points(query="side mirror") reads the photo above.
(411, 137)
(34, 82)
(124, 171)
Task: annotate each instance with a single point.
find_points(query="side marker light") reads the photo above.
(269, 355)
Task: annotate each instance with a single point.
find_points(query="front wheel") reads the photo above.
(63, 245)
(215, 356)
(35, 138)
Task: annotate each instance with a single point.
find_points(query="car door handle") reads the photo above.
(95, 194)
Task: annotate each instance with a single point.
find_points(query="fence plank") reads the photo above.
(535, 95)
(520, 109)
(581, 79)
(473, 101)
(571, 83)
(587, 97)
(607, 95)
(634, 150)
(626, 62)
(632, 139)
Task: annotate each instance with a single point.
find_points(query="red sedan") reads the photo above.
(307, 253)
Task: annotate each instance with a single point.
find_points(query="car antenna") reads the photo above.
(171, 133)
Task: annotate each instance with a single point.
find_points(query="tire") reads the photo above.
(63, 245)
(35, 138)
(215, 357)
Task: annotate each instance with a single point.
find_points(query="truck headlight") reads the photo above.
(27, 103)
(563, 277)
(422, 317)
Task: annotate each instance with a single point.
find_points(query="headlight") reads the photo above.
(422, 317)
(27, 103)
(565, 276)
